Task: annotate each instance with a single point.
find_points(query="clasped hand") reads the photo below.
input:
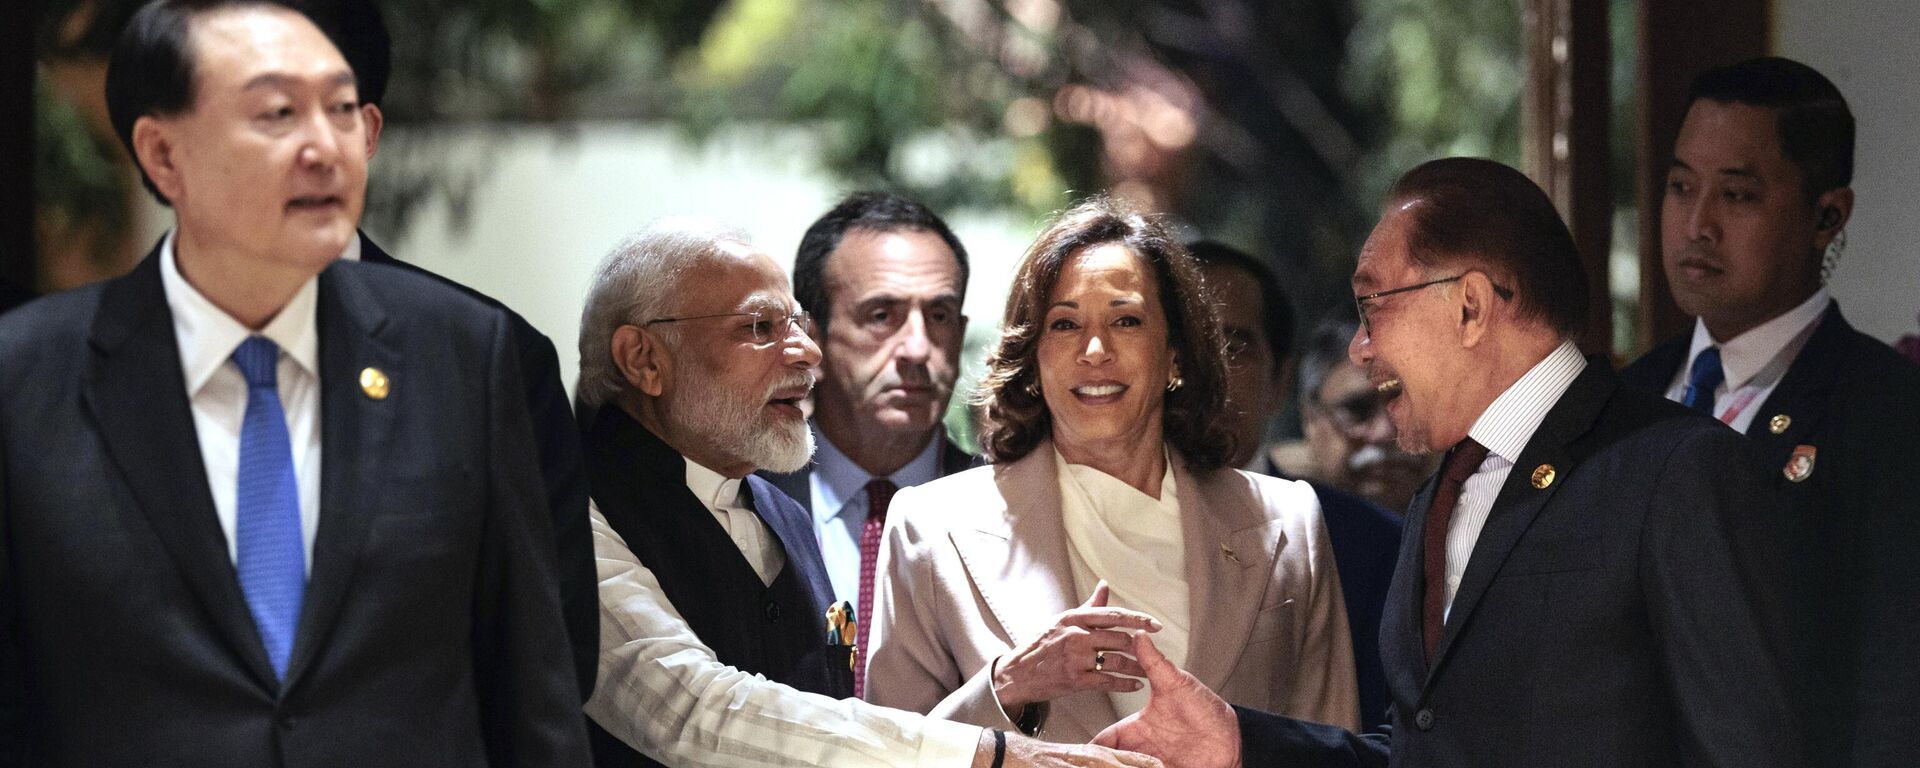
(1084, 650)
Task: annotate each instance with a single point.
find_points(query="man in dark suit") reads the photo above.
(360, 32)
(1759, 191)
(1257, 320)
(885, 279)
(261, 507)
(1589, 581)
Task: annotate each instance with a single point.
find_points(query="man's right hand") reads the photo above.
(1184, 723)
(1024, 752)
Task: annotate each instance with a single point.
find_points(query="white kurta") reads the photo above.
(1134, 542)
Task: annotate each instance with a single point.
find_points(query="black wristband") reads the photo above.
(999, 748)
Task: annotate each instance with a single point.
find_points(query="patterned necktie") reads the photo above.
(271, 558)
(1460, 465)
(879, 495)
(1702, 380)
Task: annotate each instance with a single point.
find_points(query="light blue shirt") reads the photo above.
(839, 489)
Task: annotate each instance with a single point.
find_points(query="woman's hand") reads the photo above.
(1082, 651)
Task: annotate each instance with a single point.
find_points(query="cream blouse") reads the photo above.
(1134, 542)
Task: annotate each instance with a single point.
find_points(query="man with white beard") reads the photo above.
(715, 646)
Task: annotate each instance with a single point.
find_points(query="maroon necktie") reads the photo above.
(879, 494)
(1460, 464)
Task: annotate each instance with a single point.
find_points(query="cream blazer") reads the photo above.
(977, 562)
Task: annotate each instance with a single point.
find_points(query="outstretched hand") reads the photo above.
(1083, 651)
(1184, 724)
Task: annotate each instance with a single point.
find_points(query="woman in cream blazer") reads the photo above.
(981, 608)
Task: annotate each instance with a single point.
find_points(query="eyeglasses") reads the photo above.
(763, 326)
(1366, 321)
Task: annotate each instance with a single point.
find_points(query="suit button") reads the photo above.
(773, 611)
(287, 722)
(1423, 720)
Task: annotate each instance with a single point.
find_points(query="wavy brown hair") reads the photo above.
(1194, 417)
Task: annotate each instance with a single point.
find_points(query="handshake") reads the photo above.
(1184, 725)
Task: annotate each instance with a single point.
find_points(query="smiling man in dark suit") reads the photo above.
(260, 506)
(1590, 581)
(1758, 194)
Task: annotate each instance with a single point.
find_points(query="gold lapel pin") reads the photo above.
(1227, 552)
(1800, 466)
(374, 383)
(1543, 476)
(1779, 424)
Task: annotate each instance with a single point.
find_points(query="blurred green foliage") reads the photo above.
(1288, 118)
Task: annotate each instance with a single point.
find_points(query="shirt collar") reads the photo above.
(1745, 356)
(352, 253)
(715, 490)
(207, 335)
(841, 479)
(1506, 426)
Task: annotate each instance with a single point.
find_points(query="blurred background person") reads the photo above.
(1112, 479)
(883, 279)
(1348, 441)
(1257, 322)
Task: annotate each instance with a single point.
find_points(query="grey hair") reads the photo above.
(635, 283)
(1325, 350)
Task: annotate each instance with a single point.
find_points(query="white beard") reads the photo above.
(735, 424)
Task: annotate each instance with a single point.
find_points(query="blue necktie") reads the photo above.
(1702, 380)
(272, 559)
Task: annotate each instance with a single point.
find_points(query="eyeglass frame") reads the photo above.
(1360, 302)
(797, 319)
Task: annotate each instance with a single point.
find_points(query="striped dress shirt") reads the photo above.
(1504, 428)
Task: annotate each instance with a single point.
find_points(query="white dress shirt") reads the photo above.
(217, 391)
(1112, 528)
(1504, 428)
(721, 495)
(662, 691)
(1754, 362)
(839, 489)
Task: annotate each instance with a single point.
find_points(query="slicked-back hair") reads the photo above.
(877, 212)
(1814, 125)
(1276, 311)
(357, 28)
(1469, 211)
(1194, 420)
(635, 283)
(151, 70)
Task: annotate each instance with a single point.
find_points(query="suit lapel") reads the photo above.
(1018, 562)
(355, 444)
(1406, 591)
(1800, 395)
(135, 390)
(1229, 551)
(1519, 502)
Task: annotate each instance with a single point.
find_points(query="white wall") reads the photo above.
(553, 203)
(1871, 50)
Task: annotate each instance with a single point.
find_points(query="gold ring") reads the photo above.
(1099, 661)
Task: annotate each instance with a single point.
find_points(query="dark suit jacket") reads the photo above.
(1366, 547)
(1627, 614)
(798, 484)
(431, 629)
(1856, 527)
(558, 441)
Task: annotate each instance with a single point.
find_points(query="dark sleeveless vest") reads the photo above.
(640, 485)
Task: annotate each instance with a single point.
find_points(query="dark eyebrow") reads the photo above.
(279, 80)
(1067, 304)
